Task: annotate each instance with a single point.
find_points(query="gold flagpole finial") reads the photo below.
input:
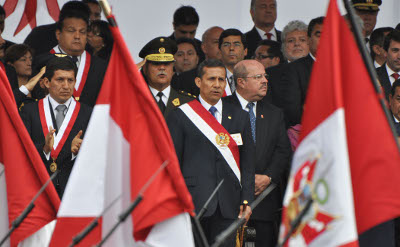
(105, 6)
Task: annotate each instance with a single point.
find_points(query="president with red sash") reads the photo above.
(57, 122)
(71, 34)
(213, 141)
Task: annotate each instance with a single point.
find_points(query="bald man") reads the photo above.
(209, 44)
(272, 146)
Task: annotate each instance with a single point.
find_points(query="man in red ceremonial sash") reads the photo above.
(71, 35)
(56, 123)
(213, 141)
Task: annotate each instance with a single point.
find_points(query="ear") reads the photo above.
(197, 80)
(58, 33)
(245, 52)
(276, 60)
(376, 50)
(46, 82)
(252, 13)
(203, 47)
(241, 83)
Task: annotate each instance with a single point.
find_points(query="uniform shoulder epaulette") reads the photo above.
(187, 94)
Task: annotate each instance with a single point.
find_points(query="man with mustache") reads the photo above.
(390, 71)
(272, 146)
(158, 71)
(233, 46)
(213, 141)
(57, 123)
(71, 34)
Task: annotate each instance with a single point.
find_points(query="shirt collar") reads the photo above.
(262, 32)
(62, 51)
(166, 91)
(244, 102)
(54, 103)
(228, 73)
(207, 106)
(389, 70)
(311, 55)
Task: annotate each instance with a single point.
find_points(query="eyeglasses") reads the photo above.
(261, 56)
(258, 77)
(228, 44)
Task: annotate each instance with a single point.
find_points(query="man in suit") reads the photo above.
(158, 71)
(213, 141)
(185, 23)
(43, 38)
(390, 71)
(57, 123)
(233, 46)
(394, 103)
(295, 78)
(378, 54)
(71, 34)
(272, 146)
(263, 13)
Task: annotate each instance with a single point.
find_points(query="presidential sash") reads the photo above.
(82, 74)
(215, 133)
(63, 130)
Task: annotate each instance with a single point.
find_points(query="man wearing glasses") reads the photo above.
(269, 53)
(272, 146)
(233, 46)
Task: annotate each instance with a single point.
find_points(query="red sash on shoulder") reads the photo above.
(215, 133)
(64, 129)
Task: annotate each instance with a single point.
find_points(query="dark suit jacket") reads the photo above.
(273, 154)
(30, 117)
(42, 38)
(203, 166)
(253, 38)
(384, 80)
(94, 79)
(274, 93)
(294, 84)
(185, 82)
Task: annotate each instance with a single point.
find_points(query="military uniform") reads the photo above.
(160, 51)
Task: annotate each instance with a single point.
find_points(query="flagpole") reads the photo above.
(369, 65)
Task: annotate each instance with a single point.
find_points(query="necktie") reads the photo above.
(269, 35)
(213, 110)
(60, 115)
(395, 76)
(250, 106)
(160, 103)
(232, 84)
(366, 40)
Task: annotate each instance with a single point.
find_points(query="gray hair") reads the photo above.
(253, 4)
(295, 25)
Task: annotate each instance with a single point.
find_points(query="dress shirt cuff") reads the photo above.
(24, 90)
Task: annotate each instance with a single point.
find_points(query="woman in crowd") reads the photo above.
(100, 39)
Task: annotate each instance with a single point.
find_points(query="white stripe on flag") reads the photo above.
(3, 206)
(331, 183)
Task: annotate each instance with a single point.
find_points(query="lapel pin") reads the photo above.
(262, 116)
(229, 117)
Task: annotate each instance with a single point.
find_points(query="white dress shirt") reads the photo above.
(218, 113)
(165, 92)
(244, 102)
(263, 36)
(390, 73)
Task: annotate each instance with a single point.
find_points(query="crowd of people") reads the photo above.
(233, 101)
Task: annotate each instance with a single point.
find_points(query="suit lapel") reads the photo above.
(226, 116)
(385, 81)
(262, 127)
(172, 95)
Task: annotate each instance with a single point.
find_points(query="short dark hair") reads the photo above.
(186, 15)
(394, 86)
(393, 35)
(73, 9)
(189, 41)
(377, 38)
(2, 11)
(91, 1)
(313, 22)
(274, 48)
(398, 27)
(209, 63)
(232, 32)
(103, 30)
(15, 52)
(59, 63)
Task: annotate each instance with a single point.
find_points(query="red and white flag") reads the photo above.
(126, 141)
(22, 174)
(347, 160)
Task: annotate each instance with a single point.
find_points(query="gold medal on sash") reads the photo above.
(222, 139)
(53, 166)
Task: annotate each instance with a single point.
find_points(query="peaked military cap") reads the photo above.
(367, 5)
(160, 49)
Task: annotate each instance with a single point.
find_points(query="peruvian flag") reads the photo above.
(126, 141)
(347, 160)
(22, 174)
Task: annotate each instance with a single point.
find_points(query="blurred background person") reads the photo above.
(269, 53)
(295, 40)
(100, 39)
(378, 54)
(186, 58)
